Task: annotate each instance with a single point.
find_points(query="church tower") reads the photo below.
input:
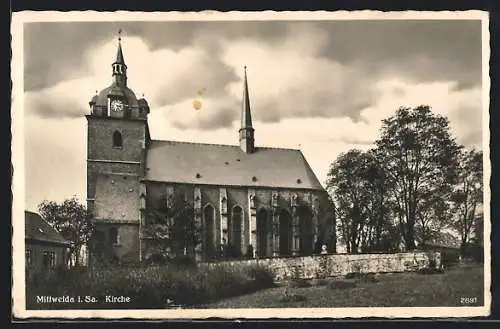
(117, 140)
(247, 142)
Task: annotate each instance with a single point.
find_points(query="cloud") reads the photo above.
(419, 47)
(283, 80)
(68, 99)
(296, 69)
(463, 107)
(55, 154)
(289, 79)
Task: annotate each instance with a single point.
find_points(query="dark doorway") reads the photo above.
(285, 233)
(262, 233)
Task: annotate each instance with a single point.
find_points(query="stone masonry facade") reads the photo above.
(282, 210)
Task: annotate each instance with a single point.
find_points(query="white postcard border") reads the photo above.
(18, 183)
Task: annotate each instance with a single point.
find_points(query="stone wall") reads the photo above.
(117, 198)
(321, 266)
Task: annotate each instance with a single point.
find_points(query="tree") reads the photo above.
(345, 184)
(467, 194)
(72, 220)
(378, 203)
(420, 159)
(357, 185)
(433, 214)
(171, 230)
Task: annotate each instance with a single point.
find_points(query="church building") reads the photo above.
(263, 201)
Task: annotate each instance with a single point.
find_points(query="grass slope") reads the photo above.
(391, 290)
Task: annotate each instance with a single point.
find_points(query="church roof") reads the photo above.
(36, 228)
(215, 164)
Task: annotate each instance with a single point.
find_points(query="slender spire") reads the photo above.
(246, 115)
(119, 54)
(119, 66)
(246, 131)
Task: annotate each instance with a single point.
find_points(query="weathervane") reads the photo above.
(119, 34)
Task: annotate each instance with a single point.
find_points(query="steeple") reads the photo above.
(246, 131)
(119, 67)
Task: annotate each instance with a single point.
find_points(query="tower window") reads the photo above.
(117, 139)
(114, 237)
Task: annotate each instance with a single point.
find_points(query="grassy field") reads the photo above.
(396, 290)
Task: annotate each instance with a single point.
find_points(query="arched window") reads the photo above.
(285, 229)
(235, 230)
(208, 230)
(261, 233)
(117, 139)
(306, 230)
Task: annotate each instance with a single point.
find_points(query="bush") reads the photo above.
(290, 298)
(362, 277)
(320, 282)
(341, 284)
(299, 283)
(474, 251)
(450, 257)
(430, 270)
(148, 287)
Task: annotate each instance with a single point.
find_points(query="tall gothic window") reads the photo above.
(306, 230)
(208, 230)
(117, 139)
(236, 230)
(261, 233)
(285, 229)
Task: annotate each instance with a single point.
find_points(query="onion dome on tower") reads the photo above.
(118, 100)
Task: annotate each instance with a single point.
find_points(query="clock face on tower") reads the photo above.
(117, 105)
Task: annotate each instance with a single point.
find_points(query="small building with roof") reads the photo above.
(45, 248)
(445, 243)
(260, 201)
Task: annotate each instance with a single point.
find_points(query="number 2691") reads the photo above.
(468, 300)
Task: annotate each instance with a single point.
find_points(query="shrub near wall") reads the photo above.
(149, 287)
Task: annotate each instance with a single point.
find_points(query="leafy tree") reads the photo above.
(345, 184)
(468, 193)
(378, 203)
(357, 184)
(420, 160)
(72, 220)
(170, 229)
(432, 216)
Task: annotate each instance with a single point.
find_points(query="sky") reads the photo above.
(321, 86)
